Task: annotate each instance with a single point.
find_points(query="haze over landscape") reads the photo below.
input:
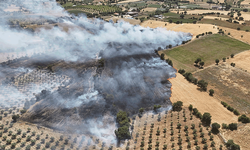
(124, 74)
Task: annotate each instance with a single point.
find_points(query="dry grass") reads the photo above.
(194, 29)
(149, 9)
(230, 84)
(242, 60)
(128, 1)
(203, 11)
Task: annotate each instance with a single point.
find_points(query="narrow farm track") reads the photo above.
(188, 93)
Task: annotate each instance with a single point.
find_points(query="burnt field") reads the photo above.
(76, 92)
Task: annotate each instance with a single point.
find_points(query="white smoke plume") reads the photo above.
(127, 50)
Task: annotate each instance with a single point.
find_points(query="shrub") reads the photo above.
(217, 61)
(38, 146)
(231, 145)
(47, 145)
(215, 127)
(236, 112)
(177, 106)
(232, 126)
(162, 56)
(192, 126)
(211, 137)
(190, 107)
(42, 141)
(169, 62)
(28, 147)
(19, 131)
(230, 108)
(13, 145)
(123, 121)
(195, 143)
(23, 111)
(15, 117)
(181, 71)
(202, 134)
(224, 104)
(224, 126)
(244, 119)
(195, 111)
(8, 142)
(178, 126)
(203, 85)
(199, 115)
(211, 92)
(204, 140)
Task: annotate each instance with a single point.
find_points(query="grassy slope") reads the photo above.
(207, 48)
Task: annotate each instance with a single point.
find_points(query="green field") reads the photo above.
(137, 4)
(68, 4)
(170, 14)
(176, 17)
(207, 48)
(76, 12)
(154, 5)
(190, 6)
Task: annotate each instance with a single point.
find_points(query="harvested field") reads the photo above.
(149, 9)
(188, 93)
(230, 84)
(242, 60)
(207, 48)
(225, 24)
(213, 17)
(239, 35)
(245, 2)
(245, 15)
(194, 29)
(203, 11)
(128, 1)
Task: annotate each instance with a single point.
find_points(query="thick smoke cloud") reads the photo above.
(132, 77)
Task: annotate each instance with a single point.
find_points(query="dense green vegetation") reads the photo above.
(177, 106)
(231, 145)
(123, 130)
(244, 119)
(77, 12)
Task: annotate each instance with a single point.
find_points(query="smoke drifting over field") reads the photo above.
(132, 76)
